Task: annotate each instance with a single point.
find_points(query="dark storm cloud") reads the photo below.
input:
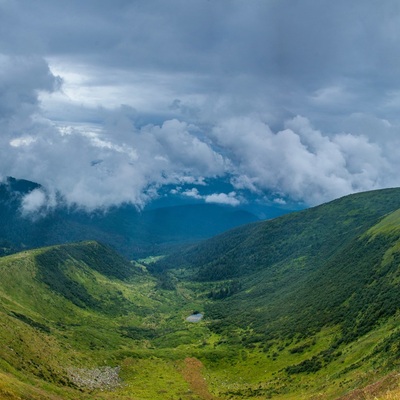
(296, 97)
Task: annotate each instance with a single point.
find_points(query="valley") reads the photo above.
(199, 200)
(304, 306)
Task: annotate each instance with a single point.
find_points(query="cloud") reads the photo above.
(119, 161)
(33, 201)
(297, 99)
(21, 80)
(300, 161)
(186, 150)
(230, 199)
(280, 201)
(108, 165)
(193, 193)
(223, 198)
(37, 203)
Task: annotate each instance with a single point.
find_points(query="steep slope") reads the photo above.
(355, 287)
(133, 233)
(300, 269)
(316, 234)
(304, 306)
(78, 321)
(311, 283)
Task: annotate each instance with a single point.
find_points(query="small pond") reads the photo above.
(194, 317)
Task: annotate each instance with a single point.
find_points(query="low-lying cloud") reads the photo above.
(37, 203)
(231, 198)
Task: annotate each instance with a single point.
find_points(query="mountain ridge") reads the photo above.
(314, 224)
(300, 306)
(270, 247)
(132, 232)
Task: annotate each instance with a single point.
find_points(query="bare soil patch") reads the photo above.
(389, 382)
(192, 374)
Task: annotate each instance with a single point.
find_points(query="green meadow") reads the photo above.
(305, 306)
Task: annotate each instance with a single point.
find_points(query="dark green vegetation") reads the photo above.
(303, 306)
(306, 270)
(334, 267)
(133, 233)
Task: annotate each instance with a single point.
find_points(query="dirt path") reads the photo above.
(192, 375)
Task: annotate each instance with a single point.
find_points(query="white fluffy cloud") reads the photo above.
(118, 161)
(37, 203)
(231, 199)
(302, 162)
(223, 198)
(193, 193)
(33, 201)
(110, 164)
(293, 98)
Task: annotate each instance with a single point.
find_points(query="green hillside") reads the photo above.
(305, 306)
(331, 268)
(316, 233)
(76, 320)
(305, 270)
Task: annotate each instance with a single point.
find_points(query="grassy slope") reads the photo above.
(45, 331)
(315, 233)
(315, 314)
(299, 270)
(334, 268)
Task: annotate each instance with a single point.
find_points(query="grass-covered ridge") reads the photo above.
(304, 306)
(306, 270)
(335, 267)
(62, 314)
(315, 234)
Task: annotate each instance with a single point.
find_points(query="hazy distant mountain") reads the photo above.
(134, 233)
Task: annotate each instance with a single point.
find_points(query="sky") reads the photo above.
(107, 101)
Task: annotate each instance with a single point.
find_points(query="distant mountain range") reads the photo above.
(304, 306)
(132, 232)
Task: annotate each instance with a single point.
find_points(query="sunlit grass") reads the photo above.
(142, 329)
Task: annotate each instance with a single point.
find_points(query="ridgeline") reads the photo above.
(303, 306)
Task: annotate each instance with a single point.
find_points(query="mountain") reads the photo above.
(306, 269)
(331, 268)
(134, 233)
(78, 321)
(266, 206)
(304, 306)
(316, 233)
